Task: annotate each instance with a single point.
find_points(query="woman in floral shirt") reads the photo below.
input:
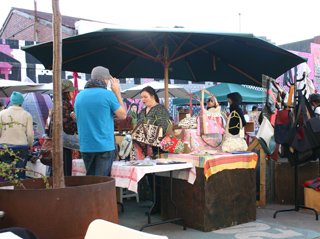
(153, 113)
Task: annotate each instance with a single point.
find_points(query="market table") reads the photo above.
(223, 195)
(128, 174)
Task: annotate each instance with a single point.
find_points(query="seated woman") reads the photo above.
(153, 113)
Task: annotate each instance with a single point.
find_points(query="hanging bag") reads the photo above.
(284, 122)
(210, 127)
(232, 142)
(265, 136)
(299, 135)
(207, 122)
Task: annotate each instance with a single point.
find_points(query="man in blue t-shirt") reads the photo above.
(94, 108)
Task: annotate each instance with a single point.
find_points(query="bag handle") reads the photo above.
(202, 97)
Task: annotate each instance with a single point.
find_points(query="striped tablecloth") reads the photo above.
(214, 163)
(222, 162)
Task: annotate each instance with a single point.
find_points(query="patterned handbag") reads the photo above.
(46, 152)
(147, 133)
(232, 142)
(172, 144)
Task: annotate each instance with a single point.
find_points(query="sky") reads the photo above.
(281, 21)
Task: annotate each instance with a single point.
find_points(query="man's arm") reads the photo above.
(115, 87)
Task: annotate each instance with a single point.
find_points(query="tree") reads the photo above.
(57, 164)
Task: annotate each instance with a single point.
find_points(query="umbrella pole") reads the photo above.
(166, 84)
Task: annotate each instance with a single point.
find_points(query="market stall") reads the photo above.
(223, 195)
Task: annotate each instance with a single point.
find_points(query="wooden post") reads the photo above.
(254, 146)
(58, 175)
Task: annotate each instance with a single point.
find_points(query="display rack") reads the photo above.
(297, 207)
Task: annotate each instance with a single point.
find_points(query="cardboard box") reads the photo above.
(249, 127)
(312, 198)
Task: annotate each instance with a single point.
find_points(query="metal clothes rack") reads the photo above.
(297, 207)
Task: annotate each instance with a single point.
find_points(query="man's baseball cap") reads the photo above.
(100, 73)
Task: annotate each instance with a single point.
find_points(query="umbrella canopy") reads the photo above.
(48, 88)
(221, 91)
(174, 90)
(180, 54)
(8, 86)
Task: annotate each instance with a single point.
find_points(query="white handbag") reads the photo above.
(232, 142)
(265, 136)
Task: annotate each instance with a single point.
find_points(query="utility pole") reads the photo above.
(239, 21)
(35, 37)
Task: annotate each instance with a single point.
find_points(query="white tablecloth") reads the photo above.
(129, 176)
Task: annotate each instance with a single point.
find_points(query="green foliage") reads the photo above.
(9, 171)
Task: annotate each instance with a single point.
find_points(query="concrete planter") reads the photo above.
(60, 213)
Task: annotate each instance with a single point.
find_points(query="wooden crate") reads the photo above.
(312, 198)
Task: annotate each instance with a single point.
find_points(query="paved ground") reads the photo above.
(296, 225)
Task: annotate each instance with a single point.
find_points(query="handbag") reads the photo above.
(232, 142)
(313, 129)
(123, 125)
(125, 146)
(70, 141)
(172, 144)
(147, 133)
(209, 123)
(265, 136)
(46, 152)
(299, 135)
(282, 126)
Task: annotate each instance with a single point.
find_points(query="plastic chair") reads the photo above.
(101, 229)
(125, 193)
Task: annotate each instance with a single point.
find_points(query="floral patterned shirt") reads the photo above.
(69, 125)
(158, 115)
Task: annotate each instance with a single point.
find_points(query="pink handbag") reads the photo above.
(208, 123)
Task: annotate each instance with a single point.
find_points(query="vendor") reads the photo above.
(153, 113)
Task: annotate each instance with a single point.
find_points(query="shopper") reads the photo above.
(94, 108)
(16, 132)
(314, 100)
(69, 123)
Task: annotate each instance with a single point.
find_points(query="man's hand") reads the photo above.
(115, 85)
(121, 113)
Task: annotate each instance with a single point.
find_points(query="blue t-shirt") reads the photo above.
(94, 108)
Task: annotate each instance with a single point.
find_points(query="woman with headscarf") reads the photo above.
(235, 100)
(16, 132)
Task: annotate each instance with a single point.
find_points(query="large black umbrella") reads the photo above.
(180, 54)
